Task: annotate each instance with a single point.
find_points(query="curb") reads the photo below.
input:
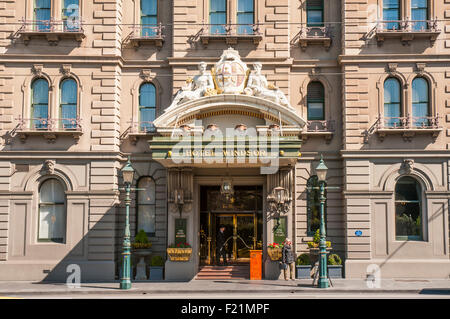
(151, 292)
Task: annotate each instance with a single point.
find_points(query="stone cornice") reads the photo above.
(386, 58)
(394, 154)
(212, 60)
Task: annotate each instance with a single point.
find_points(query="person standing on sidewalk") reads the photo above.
(288, 260)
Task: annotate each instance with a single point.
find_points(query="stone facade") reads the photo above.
(109, 63)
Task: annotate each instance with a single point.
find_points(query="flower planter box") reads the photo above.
(303, 271)
(156, 273)
(179, 254)
(335, 271)
(275, 254)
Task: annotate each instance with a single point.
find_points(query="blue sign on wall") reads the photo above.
(358, 233)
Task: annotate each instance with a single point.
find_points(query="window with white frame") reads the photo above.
(146, 206)
(52, 211)
(408, 209)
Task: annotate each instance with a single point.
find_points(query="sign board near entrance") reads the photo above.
(180, 231)
(280, 233)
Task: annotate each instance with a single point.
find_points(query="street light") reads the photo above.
(127, 174)
(321, 171)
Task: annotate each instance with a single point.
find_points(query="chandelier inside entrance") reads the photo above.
(227, 190)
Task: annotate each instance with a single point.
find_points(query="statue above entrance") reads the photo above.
(229, 76)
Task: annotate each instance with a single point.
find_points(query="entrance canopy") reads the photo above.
(230, 111)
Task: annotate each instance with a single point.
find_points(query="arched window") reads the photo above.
(146, 206)
(42, 14)
(314, 13)
(147, 106)
(391, 12)
(245, 16)
(392, 102)
(315, 101)
(408, 209)
(420, 102)
(419, 14)
(52, 212)
(217, 16)
(149, 17)
(69, 103)
(313, 205)
(39, 104)
(71, 15)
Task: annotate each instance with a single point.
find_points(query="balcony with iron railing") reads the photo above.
(140, 129)
(49, 128)
(319, 128)
(313, 35)
(147, 34)
(52, 30)
(231, 34)
(407, 30)
(408, 126)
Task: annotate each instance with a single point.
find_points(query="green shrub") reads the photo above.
(141, 240)
(334, 260)
(157, 261)
(303, 259)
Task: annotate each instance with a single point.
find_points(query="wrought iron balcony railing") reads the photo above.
(408, 122)
(49, 128)
(47, 124)
(308, 34)
(231, 33)
(143, 127)
(408, 126)
(407, 26)
(147, 33)
(407, 30)
(53, 29)
(320, 126)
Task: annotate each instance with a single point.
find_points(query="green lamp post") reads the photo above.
(125, 281)
(321, 171)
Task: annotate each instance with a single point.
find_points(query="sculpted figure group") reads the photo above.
(203, 85)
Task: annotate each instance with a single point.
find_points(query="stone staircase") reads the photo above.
(224, 272)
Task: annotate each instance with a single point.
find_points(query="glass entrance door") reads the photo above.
(240, 237)
(242, 218)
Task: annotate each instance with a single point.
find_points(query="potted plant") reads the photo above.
(274, 251)
(179, 252)
(156, 268)
(303, 266)
(314, 249)
(334, 266)
(141, 248)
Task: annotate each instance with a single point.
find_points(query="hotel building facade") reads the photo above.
(85, 84)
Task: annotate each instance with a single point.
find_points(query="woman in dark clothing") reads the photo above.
(288, 259)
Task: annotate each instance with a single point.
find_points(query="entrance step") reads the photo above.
(224, 272)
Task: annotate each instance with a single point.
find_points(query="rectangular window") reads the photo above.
(71, 15)
(218, 16)
(419, 14)
(42, 14)
(149, 17)
(314, 13)
(391, 12)
(146, 206)
(245, 17)
(51, 222)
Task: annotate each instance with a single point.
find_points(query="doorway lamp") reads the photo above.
(179, 199)
(279, 203)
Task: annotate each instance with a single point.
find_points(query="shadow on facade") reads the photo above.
(94, 254)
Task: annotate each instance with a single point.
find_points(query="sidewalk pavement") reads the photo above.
(414, 286)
